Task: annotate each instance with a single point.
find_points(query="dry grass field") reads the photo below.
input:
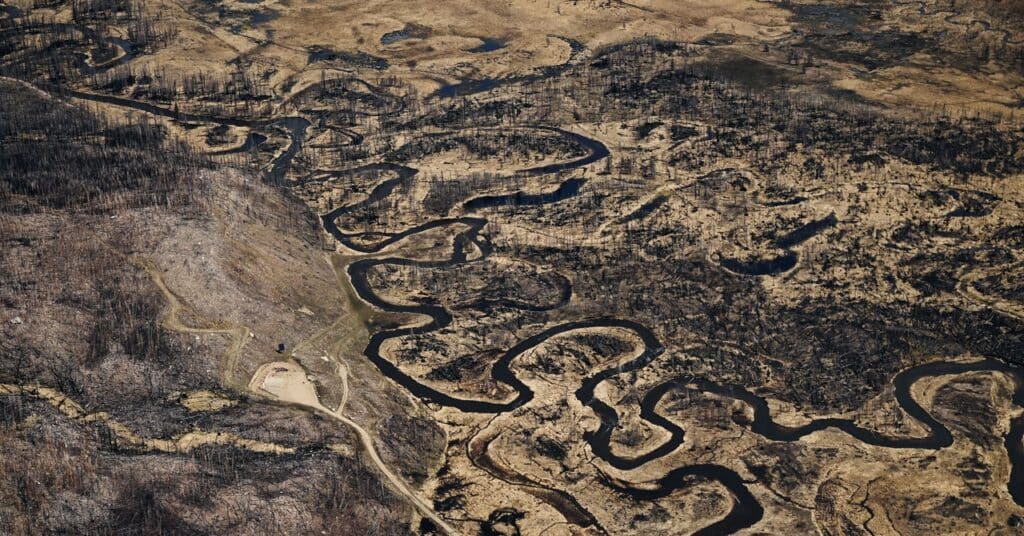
(511, 267)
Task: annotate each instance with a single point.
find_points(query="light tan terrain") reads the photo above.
(516, 267)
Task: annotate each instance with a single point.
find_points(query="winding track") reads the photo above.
(239, 335)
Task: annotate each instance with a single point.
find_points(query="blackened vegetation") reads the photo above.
(241, 85)
(1004, 285)
(968, 36)
(139, 509)
(757, 266)
(872, 50)
(411, 30)
(13, 409)
(109, 353)
(973, 204)
(129, 322)
(444, 193)
(645, 129)
(604, 346)
(854, 342)
(551, 448)
(498, 144)
(821, 353)
(325, 54)
(682, 132)
(71, 180)
(346, 96)
(857, 345)
(502, 522)
(746, 72)
(764, 124)
(410, 444)
(113, 316)
(59, 156)
(929, 276)
(38, 47)
(153, 500)
(235, 16)
(805, 232)
(104, 10)
(644, 210)
(448, 496)
(656, 514)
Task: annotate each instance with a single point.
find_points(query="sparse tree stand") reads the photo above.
(757, 250)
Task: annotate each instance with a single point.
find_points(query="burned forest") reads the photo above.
(528, 267)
